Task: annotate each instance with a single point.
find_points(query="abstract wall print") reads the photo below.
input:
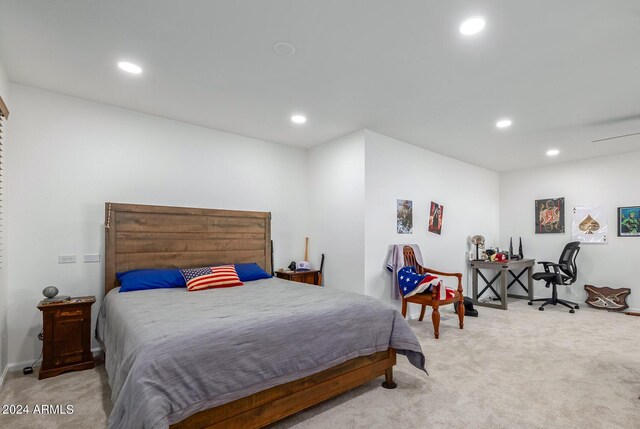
(550, 216)
(405, 216)
(589, 224)
(628, 221)
(435, 218)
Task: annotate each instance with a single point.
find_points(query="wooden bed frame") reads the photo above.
(142, 236)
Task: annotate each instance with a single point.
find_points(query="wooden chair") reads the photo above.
(431, 298)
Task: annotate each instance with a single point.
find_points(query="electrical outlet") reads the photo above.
(67, 259)
(91, 258)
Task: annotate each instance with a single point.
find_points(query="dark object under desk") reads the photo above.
(516, 267)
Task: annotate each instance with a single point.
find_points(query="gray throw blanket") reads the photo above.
(171, 353)
(396, 262)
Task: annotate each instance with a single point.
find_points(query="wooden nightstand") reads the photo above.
(67, 336)
(311, 277)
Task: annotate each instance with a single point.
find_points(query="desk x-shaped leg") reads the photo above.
(516, 278)
(489, 285)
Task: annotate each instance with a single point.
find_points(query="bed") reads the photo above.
(236, 357)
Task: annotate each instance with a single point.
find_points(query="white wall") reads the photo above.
(336, 211)
(354, 183)
(4, 92)
(4, 84)
(69, 156)
(611, 181)
(398, 170)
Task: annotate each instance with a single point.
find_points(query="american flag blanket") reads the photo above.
(411, 283)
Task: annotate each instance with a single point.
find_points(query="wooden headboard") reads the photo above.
(141, 236)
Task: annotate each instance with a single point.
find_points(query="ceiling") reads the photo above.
(567, 72)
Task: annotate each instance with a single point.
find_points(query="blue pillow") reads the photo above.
(249, 272)
(150, 279)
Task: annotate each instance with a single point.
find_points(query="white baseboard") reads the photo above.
(17, 366)
(583, 304)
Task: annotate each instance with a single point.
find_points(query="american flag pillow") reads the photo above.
(211, 277)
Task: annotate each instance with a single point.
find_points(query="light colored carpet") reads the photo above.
(520, 368)
(87, 391)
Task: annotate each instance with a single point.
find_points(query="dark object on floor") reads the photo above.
(564, 273)
(468, 307)
(606, 298)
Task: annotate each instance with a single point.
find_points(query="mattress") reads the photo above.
(171, 353)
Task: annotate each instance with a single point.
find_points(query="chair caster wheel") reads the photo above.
(577, 307)
(541, 308)
(530, 303)
(572, 311)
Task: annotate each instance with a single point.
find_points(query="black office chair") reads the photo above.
(564, 273)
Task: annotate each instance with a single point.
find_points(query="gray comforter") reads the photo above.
(171, 353)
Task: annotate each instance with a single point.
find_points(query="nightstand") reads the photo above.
(66, 345)
(311, 277)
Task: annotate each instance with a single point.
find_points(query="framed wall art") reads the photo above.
(550, 216)
(628, 221)
(404, 210)
(589, 224)
(436, 212)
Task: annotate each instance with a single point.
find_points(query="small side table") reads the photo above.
(311, 277)
(66, 345)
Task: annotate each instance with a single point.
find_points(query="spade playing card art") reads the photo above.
(589, 224)
(550, 216)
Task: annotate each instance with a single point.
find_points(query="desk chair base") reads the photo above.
(554, 300)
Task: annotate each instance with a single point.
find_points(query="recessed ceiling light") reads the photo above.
(472, 26)
(285, 49)
(130, 67)
(298, 119)
(553, 152)
(504, 123)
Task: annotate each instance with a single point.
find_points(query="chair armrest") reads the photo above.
(546, 265)
(556, 270)
(423, 270)
(441, 273)
(553, 264)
